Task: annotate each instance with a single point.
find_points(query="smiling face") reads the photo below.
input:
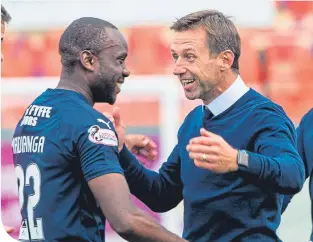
(107, 68)
(198, 70)
(112, 68)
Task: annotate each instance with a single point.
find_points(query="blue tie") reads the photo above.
(207, 116)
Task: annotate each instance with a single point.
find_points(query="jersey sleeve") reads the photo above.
(97, 147)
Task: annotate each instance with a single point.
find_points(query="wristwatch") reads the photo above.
(243, 158)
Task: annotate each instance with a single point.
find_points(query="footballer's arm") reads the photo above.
(112, 194)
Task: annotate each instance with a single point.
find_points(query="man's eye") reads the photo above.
(190, 57)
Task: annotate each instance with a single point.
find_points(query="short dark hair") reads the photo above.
(5, 16)
(221, 32)
(86, 33)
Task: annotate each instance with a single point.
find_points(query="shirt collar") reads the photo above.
(228, 97)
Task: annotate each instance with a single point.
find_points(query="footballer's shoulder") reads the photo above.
(82, 116)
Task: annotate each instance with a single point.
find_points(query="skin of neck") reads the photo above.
(226, 81)
(78, 82)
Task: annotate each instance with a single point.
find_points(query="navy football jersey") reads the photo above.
(59, 145)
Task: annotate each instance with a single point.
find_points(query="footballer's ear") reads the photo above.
(87, 60)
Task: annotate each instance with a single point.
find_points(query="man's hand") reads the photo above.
(136, 143)
(212, 152)
(141, 145)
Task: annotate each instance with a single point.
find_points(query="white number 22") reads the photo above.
(29, 231)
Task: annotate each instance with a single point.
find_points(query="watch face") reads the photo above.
(244, 158)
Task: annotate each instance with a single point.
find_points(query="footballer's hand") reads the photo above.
(138, 144)
(141, 145)
(9, 230)
(212, 152)
(118, 124)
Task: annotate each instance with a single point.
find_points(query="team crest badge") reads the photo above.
(99, 135)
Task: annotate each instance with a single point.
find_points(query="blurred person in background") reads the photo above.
(236, 154)
(5, 19)
(66, 153)
(305, 149)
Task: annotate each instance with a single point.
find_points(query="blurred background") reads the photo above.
(277, 60)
